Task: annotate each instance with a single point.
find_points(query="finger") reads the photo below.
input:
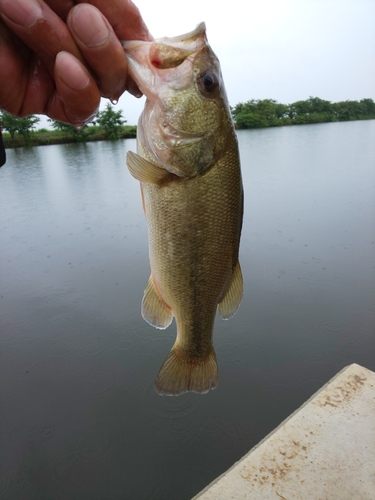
(26, 84)
(101, 48)
(29, 88)
(124, 17)
(12, 72)
(40, 28)
(127, 23)
(77, 95)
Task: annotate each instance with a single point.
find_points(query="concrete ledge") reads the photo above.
(324, 451)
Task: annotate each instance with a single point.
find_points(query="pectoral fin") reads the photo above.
(154, 310)
(232, 299)
(145, 171)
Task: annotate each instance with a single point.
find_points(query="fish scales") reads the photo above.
(194, 227)
(189, 170)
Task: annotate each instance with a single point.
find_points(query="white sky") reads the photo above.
(286, 50)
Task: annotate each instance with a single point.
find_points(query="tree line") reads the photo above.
(270, 113)
(108, 124)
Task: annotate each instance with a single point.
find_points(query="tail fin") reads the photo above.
(181, 373)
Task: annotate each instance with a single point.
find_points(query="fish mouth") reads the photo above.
(148, 60)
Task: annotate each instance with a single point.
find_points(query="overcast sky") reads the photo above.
(286, 50)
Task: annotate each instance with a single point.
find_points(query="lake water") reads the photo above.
(79, 415)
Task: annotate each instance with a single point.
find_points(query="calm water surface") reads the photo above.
(79, 415)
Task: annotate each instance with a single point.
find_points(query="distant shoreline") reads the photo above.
(49, 137)
(292, 124)
(263, 113)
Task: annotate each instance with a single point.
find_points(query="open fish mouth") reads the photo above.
(147, 60)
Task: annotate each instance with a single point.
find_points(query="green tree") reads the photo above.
(16, 125)
(300, 108)
(368, 106)
(251, 120)
(354, 110)
(319, 105)
(281, 110)
(270, 113)
(111, 121)
(259, 113)
(313, 110)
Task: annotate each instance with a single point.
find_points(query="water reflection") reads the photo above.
(79, 412)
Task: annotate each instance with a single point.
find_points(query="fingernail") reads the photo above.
(23, 13)
(71, 71)
(89, 26)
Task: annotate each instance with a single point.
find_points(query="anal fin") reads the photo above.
(232, 299)
(154, 310)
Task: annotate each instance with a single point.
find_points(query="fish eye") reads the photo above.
(209, 82)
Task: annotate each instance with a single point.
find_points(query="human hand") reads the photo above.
(58, 59)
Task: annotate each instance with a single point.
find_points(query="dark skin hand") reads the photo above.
(58, 57)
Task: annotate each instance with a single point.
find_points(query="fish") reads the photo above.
(188, 165)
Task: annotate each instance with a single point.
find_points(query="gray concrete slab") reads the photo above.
(323, 451)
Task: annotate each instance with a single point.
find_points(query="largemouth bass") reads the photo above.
(189, 170)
